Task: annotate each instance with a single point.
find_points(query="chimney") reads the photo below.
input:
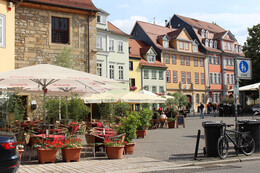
(166, 21)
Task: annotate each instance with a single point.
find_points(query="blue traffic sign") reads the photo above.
(243, 66)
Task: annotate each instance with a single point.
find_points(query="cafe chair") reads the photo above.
(120, 137)
(93, 141)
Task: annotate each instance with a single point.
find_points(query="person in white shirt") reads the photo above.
(163, 118)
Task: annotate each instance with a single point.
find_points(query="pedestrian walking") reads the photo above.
(214, 109)
(201, 110)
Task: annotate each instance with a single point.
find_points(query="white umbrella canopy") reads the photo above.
(134, 97)
(46, 76)
(250, 87)
(100, 98)
(146, 92)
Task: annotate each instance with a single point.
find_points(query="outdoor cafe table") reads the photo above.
(54, 137)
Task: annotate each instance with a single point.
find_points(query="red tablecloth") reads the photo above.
(97, 124)
(55, 137)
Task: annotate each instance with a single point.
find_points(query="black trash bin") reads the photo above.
(212, 131)
(252, 126)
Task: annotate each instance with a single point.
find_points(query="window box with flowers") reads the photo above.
(46, 150)
(115, 149)
(133, 88)
(71, 149)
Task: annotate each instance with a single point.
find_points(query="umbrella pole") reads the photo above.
(44, 109)
(66, 107)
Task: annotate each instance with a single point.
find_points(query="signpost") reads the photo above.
(243, 70)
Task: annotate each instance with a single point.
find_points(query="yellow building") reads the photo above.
(7, 35)
(179, 52)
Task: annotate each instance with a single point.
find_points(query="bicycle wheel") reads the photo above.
(222, 147)
(247, 144)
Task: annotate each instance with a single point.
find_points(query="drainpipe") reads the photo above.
(88, 48)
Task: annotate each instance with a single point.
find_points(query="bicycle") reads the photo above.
(243, 141)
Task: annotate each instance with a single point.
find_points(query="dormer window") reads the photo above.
(165, 44)
(236, 48)
(151, 58)
(202, 33)
(207, 34)
(211, 43)
(101, 19)
(195, 46)
(216, 44)
(240, 49)
(207, 43)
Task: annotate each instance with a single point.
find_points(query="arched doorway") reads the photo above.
(189, 97)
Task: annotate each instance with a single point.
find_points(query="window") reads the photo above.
(228, 79)
(59, 30)
(146, 74)
(232, 79)
(188, 61)
(167, 58)
(218, 60)
(211, 43)
(181, 45)
(99, 42)
(202, 78)
(183, 77)
(203, 98)
(182, 60)
(120, 46)
(166, 44)
(207, 43)
(151, 58)
(219, 78)
(202, 33)
(175, 77)
(146, 87)
(120, 72)
(215, 78)
(195, 62)
(214, 60)
(111, 45)
(101, 19)
(2, 30)
(230, 46)
(168, 76)
(131, 67)
(226, 46)
(153, 74)
(111, 71)
(240, 49)
(161, 89)
(231, 61)
(207, 34)
(197, 78)
(154, 89)
(132, 82)
(173, 59)
(186, 46)
(160, 75)
(188, 77)
(197, 98)
(227, 61)
(98, 19)
(99, 69)
(216, 44)
(201, 62)
(195, 48)
(210, 59)
(211, 78)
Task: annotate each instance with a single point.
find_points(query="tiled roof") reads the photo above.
(78, 4)
(114, 29)
(202, 25)
(135, 47)
(173, 34)
(143, 62)
(219, 35)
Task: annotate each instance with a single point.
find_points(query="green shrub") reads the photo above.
(144, 119)
(120, 109)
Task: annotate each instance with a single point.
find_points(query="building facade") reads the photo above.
(220, 47)
(112, 51)
(179, 52)
(44, 28)
(7, 34)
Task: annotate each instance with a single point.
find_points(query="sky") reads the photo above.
(233, 15)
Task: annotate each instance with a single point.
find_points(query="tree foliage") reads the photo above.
(252, 50)
(120, 109)
(65, 58)
(180, 100)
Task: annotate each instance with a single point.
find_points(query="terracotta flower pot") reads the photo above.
(171, 124)
(71, 154)
(46, 155)
(20, 152)
(129, 148)
(140, 133)
(115, 152)
(145, 133)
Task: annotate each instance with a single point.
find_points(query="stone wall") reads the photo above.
(33, 38)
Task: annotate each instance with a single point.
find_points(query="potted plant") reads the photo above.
(128, 126)
(144, 122)
(46, 150)
(20, 147)
(115, 149)
(171, 122)
(71, 149)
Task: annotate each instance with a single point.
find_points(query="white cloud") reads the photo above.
(127, 25)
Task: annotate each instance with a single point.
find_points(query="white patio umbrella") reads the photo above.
(146, 92)
(134, 97)
(100, 98)
(53, 77)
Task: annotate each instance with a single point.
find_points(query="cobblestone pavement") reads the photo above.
(161, 149)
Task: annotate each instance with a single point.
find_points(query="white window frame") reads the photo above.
(121, 72)
(201, 62)
(160, 75)
(219, 78)
(181, 45)
(146, 87)
(167, 58)
(215, 78)
(182, 60)
(120, 46)
(161, 89)
(112, 71)
(211, 78)
(154, 89)
(168, 76)
(174, 77)
(153, 74)
(165, 44)
(102, 19)
(210, 59)
(202, 78)
(99, 42)
(197, 98)
(211, 43)
(196, 62)
(186, 46)
(188, 61)
(218, 60)
(99, 69)
(215, 44)
(151, 58)
(146, 74)
(195, 48)
(188, 77)
(111, 45)
(207, 43)
(197, 80)
(3, 31)
(183, 77)
(174, 59)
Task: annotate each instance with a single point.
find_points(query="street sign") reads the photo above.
(244, 68)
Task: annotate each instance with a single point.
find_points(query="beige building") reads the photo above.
(45, 27)
(7, 36)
